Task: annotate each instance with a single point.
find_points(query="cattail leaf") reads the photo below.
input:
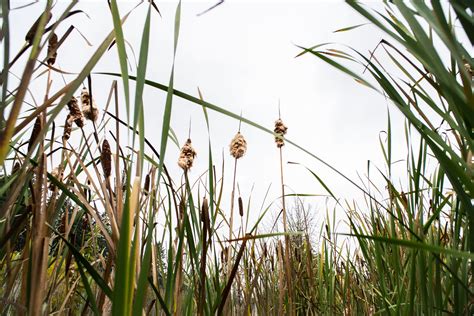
(348, 28)
(169, 96)
(140, 84)
(160, 298)
(122, 287)
(146, 262)
(122, 52)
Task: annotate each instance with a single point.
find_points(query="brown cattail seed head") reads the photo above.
(280, 130)
(52, 49)
(32, 31)
(75, 112)
(88, 106)
(186, 157)
(204, 210)
(238, 146)
(146, 187)
(205, 216)
(67, 128)
(241, 207)
(36, 130)
(106, 158)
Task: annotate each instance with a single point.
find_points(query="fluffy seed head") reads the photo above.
(52, 49)
(75, 112)
(106, 158)
(186, 156)
(88, 106)
(280, 129)
(238, 146)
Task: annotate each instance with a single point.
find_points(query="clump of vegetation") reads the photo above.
(76, 237)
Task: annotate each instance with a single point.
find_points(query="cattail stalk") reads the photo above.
(238, 147)
(280, 131)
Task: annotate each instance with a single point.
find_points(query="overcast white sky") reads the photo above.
(241, 56)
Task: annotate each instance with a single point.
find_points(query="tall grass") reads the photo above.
(92, 221)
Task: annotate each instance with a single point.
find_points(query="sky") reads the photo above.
(241, 55)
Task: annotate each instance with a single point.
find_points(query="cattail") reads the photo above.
(265, 252)
(67, 128)
(32, 31)
(238, 146)
(88, 106)
(106, 158)
(280, 130)
(36, 131)
(52, 49)
(75, 112)
(241, 207)
(186, 157)
(205, 211)
(146, 187)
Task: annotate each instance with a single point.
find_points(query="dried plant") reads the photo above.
(238, 146)
(186, 156)
(75, 112)
(67, 127)
(52, 49)
(280, 130)
(88, 106)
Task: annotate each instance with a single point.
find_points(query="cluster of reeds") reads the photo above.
(127, 237)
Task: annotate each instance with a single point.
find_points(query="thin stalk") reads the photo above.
(287, 241)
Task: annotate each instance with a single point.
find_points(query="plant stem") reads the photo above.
(287, 241)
